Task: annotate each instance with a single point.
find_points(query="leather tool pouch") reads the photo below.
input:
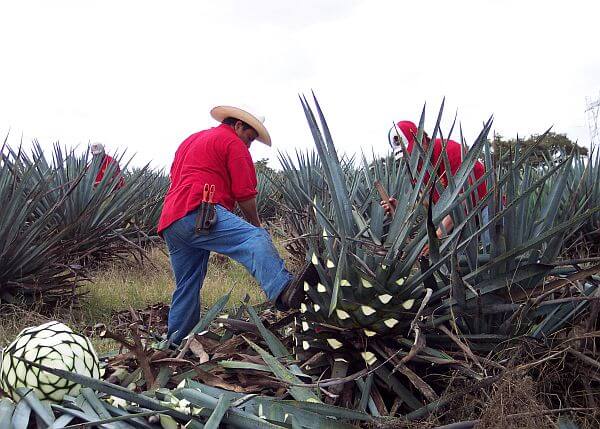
(206, 218)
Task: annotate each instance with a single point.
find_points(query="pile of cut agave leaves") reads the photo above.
(151, 383)
(232, 371)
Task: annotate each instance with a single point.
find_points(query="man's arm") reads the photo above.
(389, 206)
(250, 212)
(447, 222)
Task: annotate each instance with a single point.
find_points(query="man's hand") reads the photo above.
(389, 205)
(250, 212)
(448, 224)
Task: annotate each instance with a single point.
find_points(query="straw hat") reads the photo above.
(97, 148)
(255, 121)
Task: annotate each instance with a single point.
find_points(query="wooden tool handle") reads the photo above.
(382, 192)
(384, 195)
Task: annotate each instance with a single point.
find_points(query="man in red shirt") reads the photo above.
(219, 156)
(106, 162)
(406, 132)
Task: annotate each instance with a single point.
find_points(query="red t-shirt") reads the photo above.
(108, 160)
(454, 153)
(216, 156)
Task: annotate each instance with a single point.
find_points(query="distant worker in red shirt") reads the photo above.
(406, 131)
(106, 162)
(219, 157)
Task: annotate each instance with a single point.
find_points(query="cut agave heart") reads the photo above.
(52, 344)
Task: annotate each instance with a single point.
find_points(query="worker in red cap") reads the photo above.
(106, 162)
(404, 134)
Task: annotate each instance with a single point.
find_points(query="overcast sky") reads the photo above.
(142, 75)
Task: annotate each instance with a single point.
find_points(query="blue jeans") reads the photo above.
(485, 218)
(231, 236)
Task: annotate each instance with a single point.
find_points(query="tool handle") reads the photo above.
(384, 195)
(205, 193)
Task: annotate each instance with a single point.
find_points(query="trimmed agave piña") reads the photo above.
(371, 296)
(52, 344)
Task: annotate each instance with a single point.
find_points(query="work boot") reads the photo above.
(293, 294)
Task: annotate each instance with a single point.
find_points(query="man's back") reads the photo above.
(217, 157)
(455, 156)
(108, 162)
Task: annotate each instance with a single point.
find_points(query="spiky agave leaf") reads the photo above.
(584, 187)
(30, 248)
(266, 199)
(100, 220)
(369, 277)
(146, 219)
(302, 179)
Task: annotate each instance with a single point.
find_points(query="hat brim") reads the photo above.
(221, 112)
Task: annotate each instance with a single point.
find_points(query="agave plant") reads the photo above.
(296, 219)
(372, 293)
(585, 185)
(267, 197)
(99, 220)
(152, 195)
(59, 221)
(302, 173)
(31, 251)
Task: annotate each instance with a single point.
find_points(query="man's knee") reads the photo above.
(261, 240)
(261, 236)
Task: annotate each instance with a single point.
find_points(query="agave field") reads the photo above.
(56, 224)
(496, 327)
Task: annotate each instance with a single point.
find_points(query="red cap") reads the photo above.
(409, 130)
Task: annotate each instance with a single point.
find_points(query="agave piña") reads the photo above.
(52, 344)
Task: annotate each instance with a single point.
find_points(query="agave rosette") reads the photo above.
(584, 184)
(58, 221)
(370, 284)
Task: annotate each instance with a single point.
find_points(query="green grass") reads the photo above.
(119, 287)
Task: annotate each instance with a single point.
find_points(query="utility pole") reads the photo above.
(592, 110)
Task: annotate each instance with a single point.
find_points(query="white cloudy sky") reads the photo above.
(142, 75)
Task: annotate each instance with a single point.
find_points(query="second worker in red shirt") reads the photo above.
(406, 131)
